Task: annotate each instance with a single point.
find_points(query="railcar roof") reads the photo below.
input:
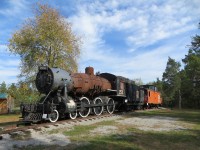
(114, 77)
(3, 95)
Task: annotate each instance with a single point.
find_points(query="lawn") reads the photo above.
(130, 137)
(8, 119)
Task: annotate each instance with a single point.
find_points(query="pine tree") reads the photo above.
(171, 81)
(192, 71)
(3, 88)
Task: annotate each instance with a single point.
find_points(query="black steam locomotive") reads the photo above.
(70, 95)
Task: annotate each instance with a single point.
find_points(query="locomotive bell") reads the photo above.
(89, 70)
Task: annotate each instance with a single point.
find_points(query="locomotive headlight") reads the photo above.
(44, 68)
(126, 101)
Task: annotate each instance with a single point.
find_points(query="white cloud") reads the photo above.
(152, 31)
(9, 75)
(3, 48)
(144, 24)
(14, 8)
(8, 66)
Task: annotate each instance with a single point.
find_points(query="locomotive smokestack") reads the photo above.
(89, 70)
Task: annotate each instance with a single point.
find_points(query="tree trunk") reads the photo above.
(179, 99)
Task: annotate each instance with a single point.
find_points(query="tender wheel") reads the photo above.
(54, 116)
(110, 106)
(73, 115)
(85, 110)
(98, 110)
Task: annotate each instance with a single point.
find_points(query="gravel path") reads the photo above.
(103, 130)
(156, 123)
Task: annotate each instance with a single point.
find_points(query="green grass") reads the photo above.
(82, 132)
(79, 130)
(132, 138)
(166, 140)
(9, 119)
(129, 137)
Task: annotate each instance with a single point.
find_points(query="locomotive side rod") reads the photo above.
(95, 105)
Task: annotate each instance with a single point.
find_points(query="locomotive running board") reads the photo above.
(112, 92)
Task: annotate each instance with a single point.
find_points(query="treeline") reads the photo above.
(181, 88)
(21, 92)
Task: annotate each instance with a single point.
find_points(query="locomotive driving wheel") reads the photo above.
(85, 110)
(73, 115)
(98, 109)
(110, 106)
(54, 116)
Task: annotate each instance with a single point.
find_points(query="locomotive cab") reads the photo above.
(128, 95)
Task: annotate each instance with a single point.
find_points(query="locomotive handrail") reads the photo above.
(46, 97)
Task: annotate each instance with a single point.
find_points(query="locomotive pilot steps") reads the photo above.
(81, 94)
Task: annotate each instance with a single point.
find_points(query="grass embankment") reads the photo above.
(130, 137)
(8, 120)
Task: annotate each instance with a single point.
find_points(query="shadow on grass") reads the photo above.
(146, 140)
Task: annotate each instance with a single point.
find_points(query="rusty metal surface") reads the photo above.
(84, 82)
(89, 70)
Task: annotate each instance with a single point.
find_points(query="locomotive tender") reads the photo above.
(70, 95)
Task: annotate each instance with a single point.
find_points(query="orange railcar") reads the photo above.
(152, 96)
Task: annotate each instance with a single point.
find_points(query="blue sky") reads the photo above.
(124, 37)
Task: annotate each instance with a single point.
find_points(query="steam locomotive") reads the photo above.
(81, 94)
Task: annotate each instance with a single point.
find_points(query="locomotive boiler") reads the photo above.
(68, 95)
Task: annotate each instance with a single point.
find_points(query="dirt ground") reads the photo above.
(43, 137)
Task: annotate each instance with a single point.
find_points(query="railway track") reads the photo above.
(12, 129)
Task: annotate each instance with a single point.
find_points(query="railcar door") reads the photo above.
(141, 96)
(130, 92)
